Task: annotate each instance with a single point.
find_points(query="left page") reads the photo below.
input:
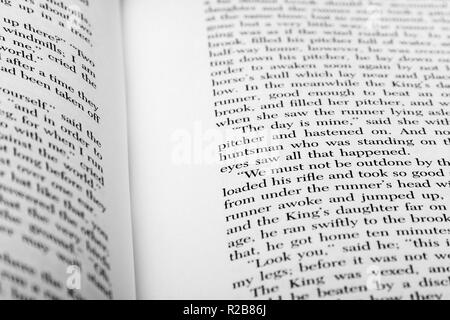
(65, 229)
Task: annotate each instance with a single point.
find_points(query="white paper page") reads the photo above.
(176, 256)
(330, 122)
(65, 217)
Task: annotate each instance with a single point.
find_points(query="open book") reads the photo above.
(224, 149)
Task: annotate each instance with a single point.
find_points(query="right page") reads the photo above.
(290, 149)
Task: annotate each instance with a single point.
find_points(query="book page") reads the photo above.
(290, 149)
(65, 226)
